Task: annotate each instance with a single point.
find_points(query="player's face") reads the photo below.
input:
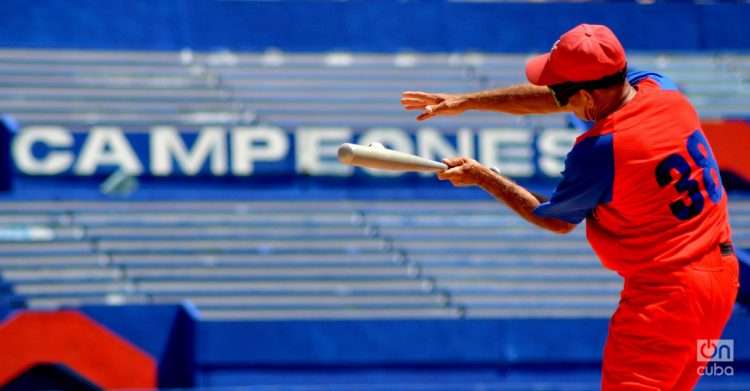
(583, 105)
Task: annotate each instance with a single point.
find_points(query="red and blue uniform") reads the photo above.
(646, 182)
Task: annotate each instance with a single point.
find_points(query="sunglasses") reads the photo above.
(564, 91)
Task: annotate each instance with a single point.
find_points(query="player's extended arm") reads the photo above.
(468, 172)
(519, 99)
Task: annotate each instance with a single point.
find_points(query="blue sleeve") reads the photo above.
(587, 181)
(665, 83)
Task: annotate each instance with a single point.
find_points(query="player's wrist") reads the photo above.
(465, 102)
(484, 176)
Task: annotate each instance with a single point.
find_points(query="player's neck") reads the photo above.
(616, 101)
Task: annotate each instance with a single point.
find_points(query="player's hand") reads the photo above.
(433, 104)
(462, 171)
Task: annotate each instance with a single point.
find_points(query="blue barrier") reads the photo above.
(438, 350)
(164, 331)
(362, 25)
(403, 343)
(194, 352)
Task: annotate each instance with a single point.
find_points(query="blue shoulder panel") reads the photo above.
(665, 83)
(587, 181)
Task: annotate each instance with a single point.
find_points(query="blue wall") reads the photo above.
(215, 353)
(362, 25)
(166, 332)
(406, 342)
(474, 350)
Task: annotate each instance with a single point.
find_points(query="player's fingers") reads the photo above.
(413, 106)
(420, 95)
(450, 178)
(449, 174)
(436, 108)
(454, 173)
(431, 111)
(454, 161)
(413, 101)
(425, 116)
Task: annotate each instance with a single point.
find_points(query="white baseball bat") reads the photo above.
(377, 156)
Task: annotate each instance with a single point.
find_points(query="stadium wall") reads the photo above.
(273, 155)
(379, 26)
(190, 351)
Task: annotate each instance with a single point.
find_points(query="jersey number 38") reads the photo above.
(700, 153)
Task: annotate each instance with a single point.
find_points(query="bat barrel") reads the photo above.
(346, 153)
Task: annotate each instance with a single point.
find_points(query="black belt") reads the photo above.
(726, 248)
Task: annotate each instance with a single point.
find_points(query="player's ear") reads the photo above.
(586, 98)
(577, 100)
(589, 105)
(579, 103)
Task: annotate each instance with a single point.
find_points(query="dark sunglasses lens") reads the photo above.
(562, 94)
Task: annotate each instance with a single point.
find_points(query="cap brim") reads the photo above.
(538, 71)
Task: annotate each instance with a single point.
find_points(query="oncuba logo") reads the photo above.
(711, 352)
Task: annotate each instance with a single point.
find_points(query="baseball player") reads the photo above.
(646, 182)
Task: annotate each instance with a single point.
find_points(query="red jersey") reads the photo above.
(646, 181)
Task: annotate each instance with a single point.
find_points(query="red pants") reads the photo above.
(652, 342)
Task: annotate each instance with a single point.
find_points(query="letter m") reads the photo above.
(167, 145)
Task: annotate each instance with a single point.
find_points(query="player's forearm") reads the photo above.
(518, 99)
(520, 200)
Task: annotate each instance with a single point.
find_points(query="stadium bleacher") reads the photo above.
(132, 89)
(325, 259)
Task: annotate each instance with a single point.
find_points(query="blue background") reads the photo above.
(381, 26)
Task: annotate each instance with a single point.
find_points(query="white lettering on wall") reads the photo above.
(54, 162)
(218, 151)
(553, 146)
(167, 145)
(107, 146)
(316, 150)
(254, 144)
(507, 149)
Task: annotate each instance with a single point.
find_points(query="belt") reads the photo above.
(726, 248)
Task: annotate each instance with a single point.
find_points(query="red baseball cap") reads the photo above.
(585, 53)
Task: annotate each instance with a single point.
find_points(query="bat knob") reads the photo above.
(345, 153)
